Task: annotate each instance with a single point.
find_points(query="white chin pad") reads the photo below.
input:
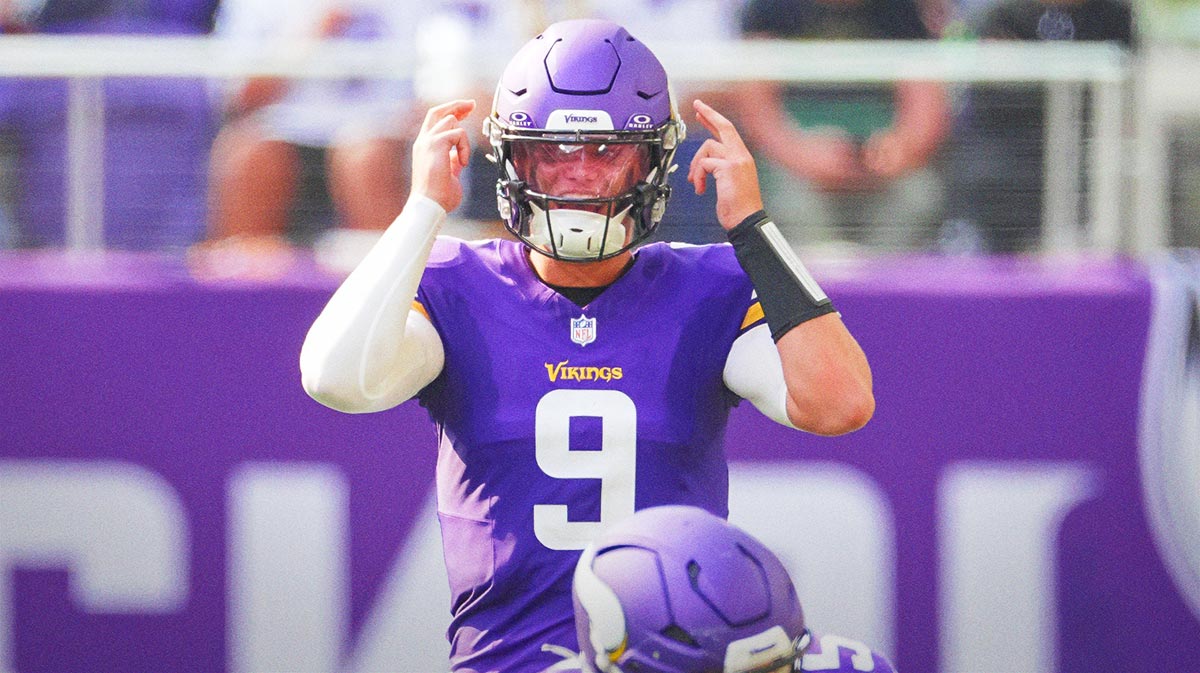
(578, 234)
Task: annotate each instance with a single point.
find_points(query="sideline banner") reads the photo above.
(171, 500)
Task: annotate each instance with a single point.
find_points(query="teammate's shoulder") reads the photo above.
(831, 652)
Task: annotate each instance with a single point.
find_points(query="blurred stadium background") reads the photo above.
(1026, 500)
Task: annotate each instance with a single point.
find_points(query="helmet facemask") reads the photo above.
(582, 196)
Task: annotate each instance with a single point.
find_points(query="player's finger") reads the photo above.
(695, 162)
(716, 123)
(713, 164)
(458, 108)
(700, 109)
(461, 146)
(433, 114)
(453, 140)
(445, 123)
(709, 148)
(697, 172)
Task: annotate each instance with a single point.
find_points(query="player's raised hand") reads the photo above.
(440, 152)
(726, 158)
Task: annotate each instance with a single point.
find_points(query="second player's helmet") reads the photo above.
(678, 590)
(584, 130)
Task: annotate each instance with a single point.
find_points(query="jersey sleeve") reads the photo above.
(753, 369)
(754, 316)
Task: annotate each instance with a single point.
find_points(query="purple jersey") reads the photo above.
(842, 655)
(556, 420)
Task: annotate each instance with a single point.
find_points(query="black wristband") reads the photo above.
(788, 294)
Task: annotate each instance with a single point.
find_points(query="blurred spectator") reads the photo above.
(162, 16)
(10, 22)
(998, 155)
(446, 38)
(156, 130)
(846, 163)
(937, 14)
(8, 227)
(1089, 20)
(297, 157)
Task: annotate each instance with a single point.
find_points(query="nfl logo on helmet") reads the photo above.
(583, 330)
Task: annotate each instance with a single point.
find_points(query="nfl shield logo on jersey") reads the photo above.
(583, 330)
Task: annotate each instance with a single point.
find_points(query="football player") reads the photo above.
(675, 589)
(575, 377)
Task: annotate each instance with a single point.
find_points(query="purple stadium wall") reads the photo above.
(170, 499)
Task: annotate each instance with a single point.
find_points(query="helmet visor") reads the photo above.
(592, 169)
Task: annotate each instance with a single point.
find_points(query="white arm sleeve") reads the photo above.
(368, 351)
(753, 371)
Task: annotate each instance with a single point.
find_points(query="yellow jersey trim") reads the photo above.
(420, 309)
(753, 315)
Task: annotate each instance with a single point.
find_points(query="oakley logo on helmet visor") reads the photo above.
(579, 120)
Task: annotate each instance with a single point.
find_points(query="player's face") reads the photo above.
(590, 170)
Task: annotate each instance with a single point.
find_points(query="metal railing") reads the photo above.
(1066, 69)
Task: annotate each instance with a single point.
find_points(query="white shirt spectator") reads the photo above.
(314, 112)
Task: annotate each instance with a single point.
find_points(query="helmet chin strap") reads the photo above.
(577, 234)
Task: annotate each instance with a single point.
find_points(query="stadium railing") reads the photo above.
(1066, 70)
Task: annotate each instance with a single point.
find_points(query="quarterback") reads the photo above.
(574, 374)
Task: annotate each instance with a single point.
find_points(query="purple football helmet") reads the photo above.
(676, 589)
(584, 130)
